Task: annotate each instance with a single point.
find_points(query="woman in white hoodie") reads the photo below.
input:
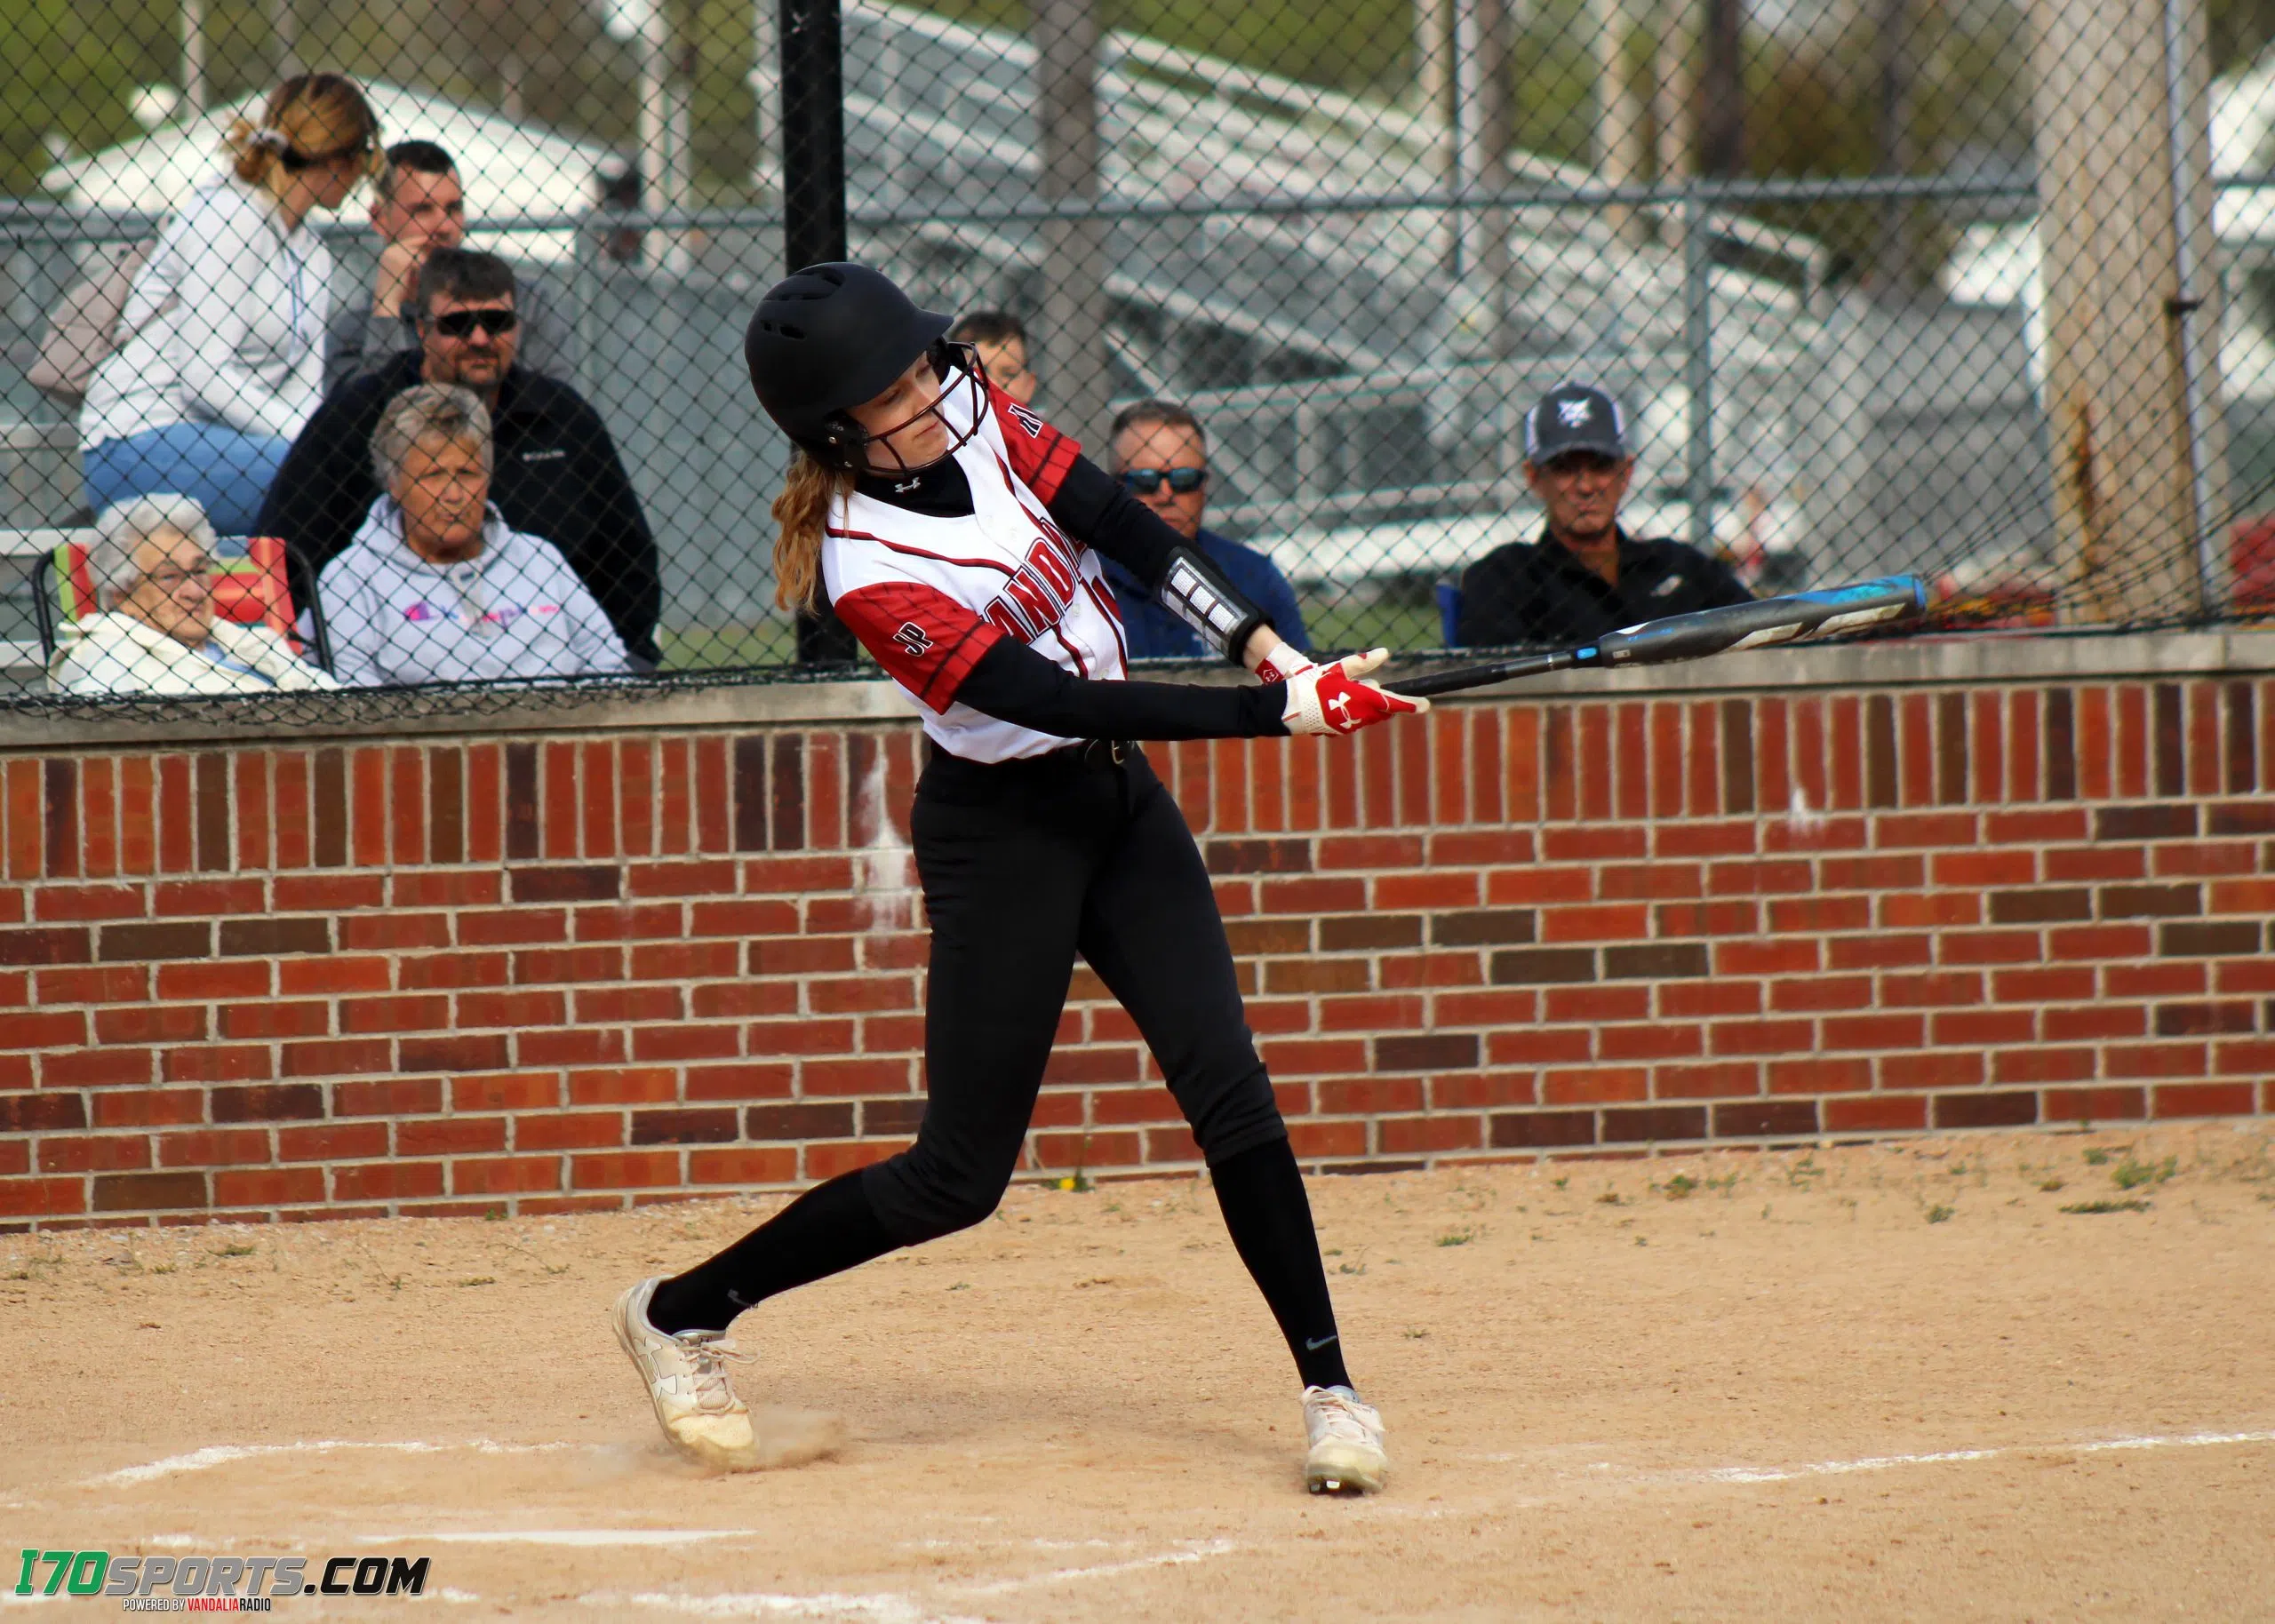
(222, 358)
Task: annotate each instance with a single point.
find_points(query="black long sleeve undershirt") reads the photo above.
(1013, 683)
(1098, 509)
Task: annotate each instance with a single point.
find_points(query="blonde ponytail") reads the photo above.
(313, 115)
(802, 510)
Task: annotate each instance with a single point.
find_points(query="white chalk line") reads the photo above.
(892, 1607)
(223, 1455)
(1194, 1550)
(1883, 1463)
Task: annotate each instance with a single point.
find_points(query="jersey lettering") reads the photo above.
(1060, 573)
(1007, 617)
(912, 638)
(1033, 594)
(1040, 592)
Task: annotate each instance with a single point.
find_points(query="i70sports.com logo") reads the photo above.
(213, 1584)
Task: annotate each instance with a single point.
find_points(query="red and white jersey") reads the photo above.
(927, 596)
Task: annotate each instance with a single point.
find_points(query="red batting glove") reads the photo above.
(1332, 699)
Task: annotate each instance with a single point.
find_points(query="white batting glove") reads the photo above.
(1332, 699)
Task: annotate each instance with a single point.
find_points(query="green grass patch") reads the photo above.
(2130, 1205)
(2131, 1174)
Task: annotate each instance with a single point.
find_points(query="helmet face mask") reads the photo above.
(957, 369)
(830, 337)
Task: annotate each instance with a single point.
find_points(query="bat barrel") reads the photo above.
(1768, 620)
(1887, 600)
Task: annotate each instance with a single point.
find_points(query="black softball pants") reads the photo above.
(1024, 865)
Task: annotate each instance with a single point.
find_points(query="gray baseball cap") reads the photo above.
(1575, 417)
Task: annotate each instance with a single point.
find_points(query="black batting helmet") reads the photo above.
(826, 338)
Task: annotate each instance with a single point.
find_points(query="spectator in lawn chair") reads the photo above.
(1584, 576)
(152, 562)
(436, 587)
(557, 473)
(1002, 340)
(1160, 453)
(418, 205)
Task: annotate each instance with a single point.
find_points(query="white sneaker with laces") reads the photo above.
(1346, 1453)
(687, 1382)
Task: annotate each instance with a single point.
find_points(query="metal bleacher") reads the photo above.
(1332, 349)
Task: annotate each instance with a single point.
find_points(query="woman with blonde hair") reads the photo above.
(221, 357)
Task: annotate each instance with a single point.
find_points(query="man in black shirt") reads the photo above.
(556, 475)
(1584, 576)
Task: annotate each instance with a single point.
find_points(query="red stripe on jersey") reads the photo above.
(925, 639)
(938, 558)
(1041, 455)
(1081, 666)
(1104, 598)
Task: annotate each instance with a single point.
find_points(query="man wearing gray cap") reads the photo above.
(1584, 576)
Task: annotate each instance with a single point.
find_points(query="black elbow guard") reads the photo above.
(1196, 592)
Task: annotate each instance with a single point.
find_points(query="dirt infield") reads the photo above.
(1895, 1382)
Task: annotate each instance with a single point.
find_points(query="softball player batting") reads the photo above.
(953, 532)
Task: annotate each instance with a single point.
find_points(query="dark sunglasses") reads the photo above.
(461, 323)
(1182, 482)
(295, 161)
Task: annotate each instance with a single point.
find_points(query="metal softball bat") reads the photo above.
(1886, 600)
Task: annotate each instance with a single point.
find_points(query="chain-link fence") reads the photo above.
(1981, 289)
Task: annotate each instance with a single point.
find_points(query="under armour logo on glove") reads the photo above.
(912, 638)
(1333, 698)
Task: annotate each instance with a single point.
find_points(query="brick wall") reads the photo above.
(634, 963)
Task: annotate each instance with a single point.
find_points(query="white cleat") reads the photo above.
(1346, 1454)
(687, 1382)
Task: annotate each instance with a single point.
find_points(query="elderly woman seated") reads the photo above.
(437, 587)
(153, 559)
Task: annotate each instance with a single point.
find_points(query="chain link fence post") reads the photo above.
(1075, 313)
(813, 210)
(1698, 364)
(2123, 170)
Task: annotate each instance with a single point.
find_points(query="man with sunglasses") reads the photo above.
(1160, 452)
(558, 474)
(1584, 576)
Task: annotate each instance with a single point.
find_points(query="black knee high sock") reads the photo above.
(1261, 1191)
(825, 1232)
